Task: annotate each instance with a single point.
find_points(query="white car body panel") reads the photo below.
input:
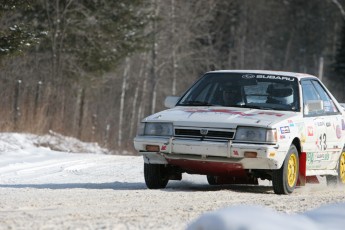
(322, 138)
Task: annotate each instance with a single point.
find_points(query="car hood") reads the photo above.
(220, 117)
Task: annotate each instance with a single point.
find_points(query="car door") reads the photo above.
(331, 135)
(323, 127)
(313, 126)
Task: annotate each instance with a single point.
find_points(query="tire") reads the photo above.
(340, 178)
(156, 176)
(341, 168)
(212, 180)
(284, 179)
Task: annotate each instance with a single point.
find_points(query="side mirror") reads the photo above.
(171, 101)
(313, 107)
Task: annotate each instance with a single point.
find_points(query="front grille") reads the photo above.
(211, 133)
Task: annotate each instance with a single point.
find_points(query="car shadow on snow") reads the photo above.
(172, 187)
(192, 187)
(111, 185)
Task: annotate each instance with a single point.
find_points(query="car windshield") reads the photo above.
(254, 90)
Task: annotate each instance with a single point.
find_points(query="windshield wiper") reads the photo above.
(197, 103)
(266, 108)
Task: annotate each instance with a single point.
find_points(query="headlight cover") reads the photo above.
(158, 129)
(254, 134)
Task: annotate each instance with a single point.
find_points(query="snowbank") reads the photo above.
(259, 218)
(54, 141)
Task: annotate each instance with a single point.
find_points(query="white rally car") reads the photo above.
(238, 126)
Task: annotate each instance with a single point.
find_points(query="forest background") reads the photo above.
(93, 69)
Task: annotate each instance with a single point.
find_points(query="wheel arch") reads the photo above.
(296, 141)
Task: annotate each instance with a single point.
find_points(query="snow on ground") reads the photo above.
(55, 182)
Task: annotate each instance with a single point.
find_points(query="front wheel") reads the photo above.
(284, 179)
(156, 176)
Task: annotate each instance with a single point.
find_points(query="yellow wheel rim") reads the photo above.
(342, 167)
(292, 170)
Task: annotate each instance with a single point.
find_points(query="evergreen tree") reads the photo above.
(339, 66)
(89, 36)
(16, 37)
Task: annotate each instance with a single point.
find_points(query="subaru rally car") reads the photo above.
(238, 126)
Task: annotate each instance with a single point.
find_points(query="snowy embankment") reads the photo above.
(54, 182)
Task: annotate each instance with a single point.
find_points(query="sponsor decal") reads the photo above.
(301, 131)
(235, 153)
(322, 157)
(164, 147)
(338, 132)
(320, 123)
(310, 131)
(321, 142)
(282, 136)
(284, 129)
(271, 114)
(310, 158)
(328, 124)
(248, 76)
(275, 77)
(291, 124)
(335, 147)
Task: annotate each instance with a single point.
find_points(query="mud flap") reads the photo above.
(302, 175)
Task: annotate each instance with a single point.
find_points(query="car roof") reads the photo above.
(267, 72)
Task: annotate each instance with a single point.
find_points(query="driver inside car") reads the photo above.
(232, 95)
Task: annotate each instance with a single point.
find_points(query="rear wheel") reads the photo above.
(156, 176)
(340, 179)
(284, 179)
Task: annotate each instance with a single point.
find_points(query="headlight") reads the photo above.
(254, 134)
(158, 129)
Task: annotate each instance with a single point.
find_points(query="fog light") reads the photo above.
(152, 148)
(250, 154)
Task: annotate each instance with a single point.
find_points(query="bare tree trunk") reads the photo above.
(141, 110)
(173, 54)
(153, 69)
(287, 50)
(122, 100)
(81, 111)
(133, 122)
(16, 104)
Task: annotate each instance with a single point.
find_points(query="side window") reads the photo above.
(309, 91)
(328, 104)
(313, 91)
(310, 94)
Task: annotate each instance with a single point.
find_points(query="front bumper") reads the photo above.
(268, 156)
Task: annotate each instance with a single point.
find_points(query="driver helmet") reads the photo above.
(284, 95)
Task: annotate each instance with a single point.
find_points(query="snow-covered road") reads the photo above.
(45, 189)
